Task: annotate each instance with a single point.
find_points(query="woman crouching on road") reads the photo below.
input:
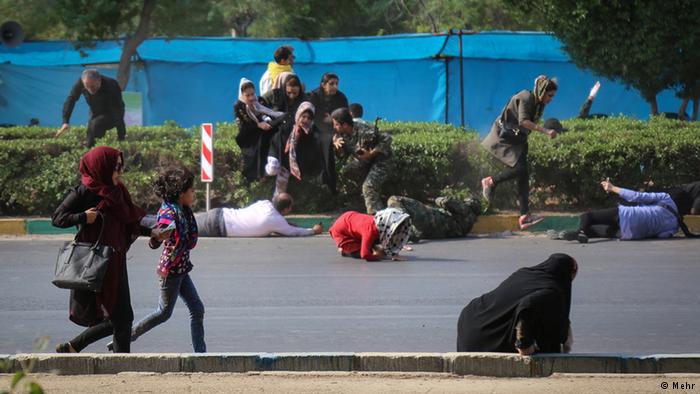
(370, 237)
(527, 313)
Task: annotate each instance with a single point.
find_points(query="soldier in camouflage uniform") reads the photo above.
(368, 152)
(451, 218)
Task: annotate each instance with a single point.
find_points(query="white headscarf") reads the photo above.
(293, 139)
(303, 107)
(256, 108)
(394, 228)
(282, 79)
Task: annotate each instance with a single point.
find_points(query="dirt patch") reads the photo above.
(283, 382)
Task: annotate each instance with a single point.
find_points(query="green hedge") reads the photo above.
(431, 159)
(566, 171)
(38, 169)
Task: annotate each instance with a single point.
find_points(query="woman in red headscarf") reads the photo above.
(102, 201)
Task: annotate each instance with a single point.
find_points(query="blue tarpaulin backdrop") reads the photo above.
(403, 77)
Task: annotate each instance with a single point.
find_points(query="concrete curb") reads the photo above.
(482, 364)
(12, 227)
(487, 224)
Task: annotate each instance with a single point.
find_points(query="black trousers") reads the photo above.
(99, 124)
(118, 325)
(520, 174)
(606, 222)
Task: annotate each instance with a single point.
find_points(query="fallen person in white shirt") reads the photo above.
(261, 219)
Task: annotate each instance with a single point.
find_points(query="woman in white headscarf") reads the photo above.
(256, 126)
(370, 237)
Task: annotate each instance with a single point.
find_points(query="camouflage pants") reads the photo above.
(374, 175)
(451, 218)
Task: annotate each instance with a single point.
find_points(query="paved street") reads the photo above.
(298, 295)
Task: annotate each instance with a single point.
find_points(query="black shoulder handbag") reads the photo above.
(681, 223)
(512, 135)
(82, 265)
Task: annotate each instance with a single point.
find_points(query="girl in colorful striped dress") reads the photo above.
(175, 187)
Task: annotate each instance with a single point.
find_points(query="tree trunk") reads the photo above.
(695, 108)
(683, 108)
(241, 22)
(654, 105)
(433, 25)
(133, 43)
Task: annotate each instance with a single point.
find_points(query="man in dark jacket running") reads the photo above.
(104, 97)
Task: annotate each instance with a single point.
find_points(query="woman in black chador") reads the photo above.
(256, 126)
(326, 99)
(300, 149)
(527, 313)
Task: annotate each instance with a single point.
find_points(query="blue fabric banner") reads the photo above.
(412, 77)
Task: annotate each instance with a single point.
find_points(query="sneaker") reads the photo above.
(65, 348)
(569, 235)
(487, 189)
(528, 220)
(574, 236)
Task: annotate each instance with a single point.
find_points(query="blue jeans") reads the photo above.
(170, 288)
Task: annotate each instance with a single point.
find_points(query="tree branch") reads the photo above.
(241, 22)
(430, 17)
(134, 41)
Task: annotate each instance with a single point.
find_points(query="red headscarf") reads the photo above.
(121, 215)
(119, 224)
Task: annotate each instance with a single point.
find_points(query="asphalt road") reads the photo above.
(298, 295)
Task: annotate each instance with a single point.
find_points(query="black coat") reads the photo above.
(253, 141)
(314, 154)
(326, 105)
(539, 297)
(106, 101)
(83, 305)
(686, 197)
(277, 100)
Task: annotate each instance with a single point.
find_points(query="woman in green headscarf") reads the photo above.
(520, 115)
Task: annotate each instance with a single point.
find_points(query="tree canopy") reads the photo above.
(649, 45)
(84, 21)
(88, 20)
